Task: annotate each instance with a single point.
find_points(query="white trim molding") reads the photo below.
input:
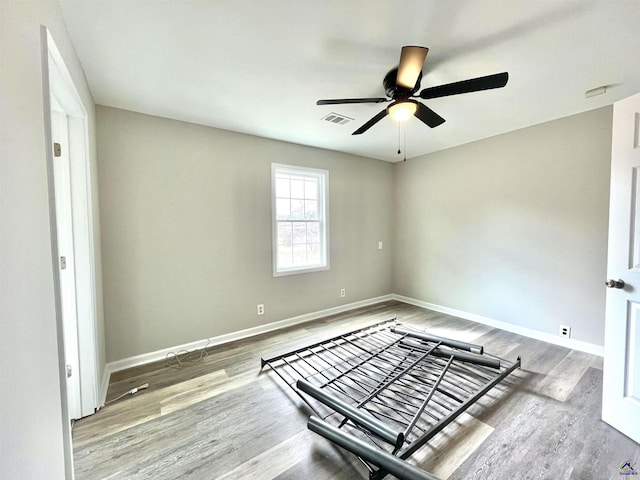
(509, 327)
(150, 357)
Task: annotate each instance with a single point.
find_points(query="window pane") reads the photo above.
(285, 256)
(299, 255)
(313, 253)
(284, 233)
(311, 209)
(282, 187)
(297, 209)
(299, 233)
(311, 189)
(297, 188)
(283, 208)
(313, 232)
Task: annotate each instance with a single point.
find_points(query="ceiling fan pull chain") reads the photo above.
(399, 152)
(405, 146)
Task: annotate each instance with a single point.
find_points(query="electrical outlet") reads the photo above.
(379, 245)
(343, 292)
(565, 331)
(261, 309)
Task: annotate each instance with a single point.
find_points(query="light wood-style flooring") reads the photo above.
(224, 418)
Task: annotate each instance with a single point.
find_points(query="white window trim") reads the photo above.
(322, 207)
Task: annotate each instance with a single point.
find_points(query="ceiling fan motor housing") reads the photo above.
(391, 88)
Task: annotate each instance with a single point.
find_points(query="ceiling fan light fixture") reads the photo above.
(402, 109)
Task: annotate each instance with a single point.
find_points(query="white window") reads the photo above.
(300, 220)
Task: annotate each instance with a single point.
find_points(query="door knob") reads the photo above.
(614, 283)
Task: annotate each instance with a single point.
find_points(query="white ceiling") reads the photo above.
(258, 66)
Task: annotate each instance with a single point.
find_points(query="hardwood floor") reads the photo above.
(225, 419)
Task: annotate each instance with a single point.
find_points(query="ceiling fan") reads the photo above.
(401, 83)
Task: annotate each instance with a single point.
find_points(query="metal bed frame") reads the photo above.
(383, 391)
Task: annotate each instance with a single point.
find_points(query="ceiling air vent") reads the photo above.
(337, 118)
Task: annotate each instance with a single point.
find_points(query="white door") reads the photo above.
(66, 264)
(621, 382)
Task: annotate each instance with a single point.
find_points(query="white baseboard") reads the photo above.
(524, 331)
(150, 357)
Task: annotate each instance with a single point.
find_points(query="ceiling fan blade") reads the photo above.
(497, 80)
(338, 101)
(428, 116)
(371, 122)
(411, 61)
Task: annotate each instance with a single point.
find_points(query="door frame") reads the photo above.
(61, 86)
(58, 83)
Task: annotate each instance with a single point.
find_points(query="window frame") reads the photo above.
(323, 217)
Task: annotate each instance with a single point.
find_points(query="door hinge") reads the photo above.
(63, 263)
(68, 371)
(57, 149)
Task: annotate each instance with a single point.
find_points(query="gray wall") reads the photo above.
(186, 221)
(32, 434)
(513, 227)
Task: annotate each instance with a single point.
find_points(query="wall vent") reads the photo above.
(337, 118)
